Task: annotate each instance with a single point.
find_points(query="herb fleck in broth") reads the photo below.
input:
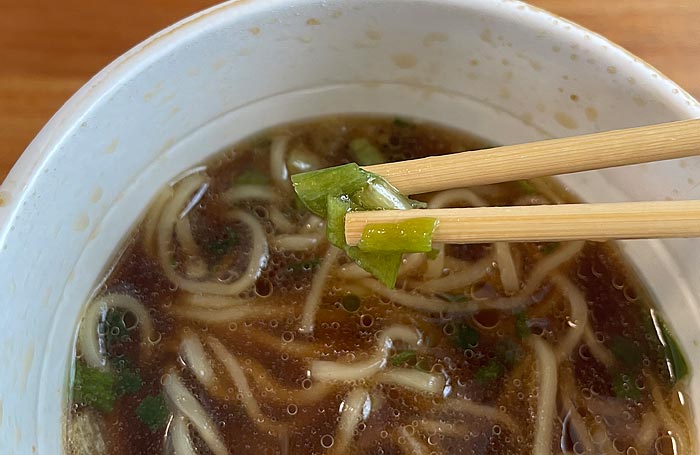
(206, 338)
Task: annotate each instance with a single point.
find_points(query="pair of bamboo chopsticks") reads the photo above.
(625, 220)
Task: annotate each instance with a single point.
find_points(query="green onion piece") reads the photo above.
(624, 387)
(489, 372)
(113, 327)
(383, 266)
(403, 357)
(409, 236)
(521, 328)
(153, 412)
(466, 336)
(336, 208)
(94, 388)
(331, 193)
(219, 247)
(432, 254)
(526, 187)
(379, 194)
(128, 380)
(301, 159)
(351, 303)
(508, 352)
(674, 354)
(315, 187)
(251, 177)
(626, 351)
(364, 153)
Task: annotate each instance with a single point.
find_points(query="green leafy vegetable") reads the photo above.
(526, 187)
(251, 177)
(113, 327)
(489, 372)
(220, 247)
(623, 386)
(383, 266)
(521, 328)
(626, 351)
(128, 380)
(351, 303)
(409, 236)
(153, 412)
(331, 193)
(94, 388)
(466, 336)
(674, 355)
(432, 254)
(364, 153)
(315, 188)
(508, 353)
(403, 357)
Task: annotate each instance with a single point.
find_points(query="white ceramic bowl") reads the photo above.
(501, 69)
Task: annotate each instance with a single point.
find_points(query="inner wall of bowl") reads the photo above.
(501, 70)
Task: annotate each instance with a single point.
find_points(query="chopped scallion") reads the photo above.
(364, 153)
(489, 372)
(521, 328)
(409, 236)
(94, 388)
(403, 357)
(153, 412)
(674, 354)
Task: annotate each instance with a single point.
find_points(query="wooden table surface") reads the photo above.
(49, 48)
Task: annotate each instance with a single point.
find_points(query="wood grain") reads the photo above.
(545, 223)
(48, 49)
(537, 159)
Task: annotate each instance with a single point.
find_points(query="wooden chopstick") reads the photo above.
(544, 223)
(558, 156)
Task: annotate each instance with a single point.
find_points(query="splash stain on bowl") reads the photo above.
(96, 195)
(112, 146)
(565, 120)
(433, 38)
(81, 223)
(591, 114)
(404, 61)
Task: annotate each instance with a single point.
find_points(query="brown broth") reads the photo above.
(497, 371)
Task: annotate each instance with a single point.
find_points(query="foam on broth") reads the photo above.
(536, 348)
